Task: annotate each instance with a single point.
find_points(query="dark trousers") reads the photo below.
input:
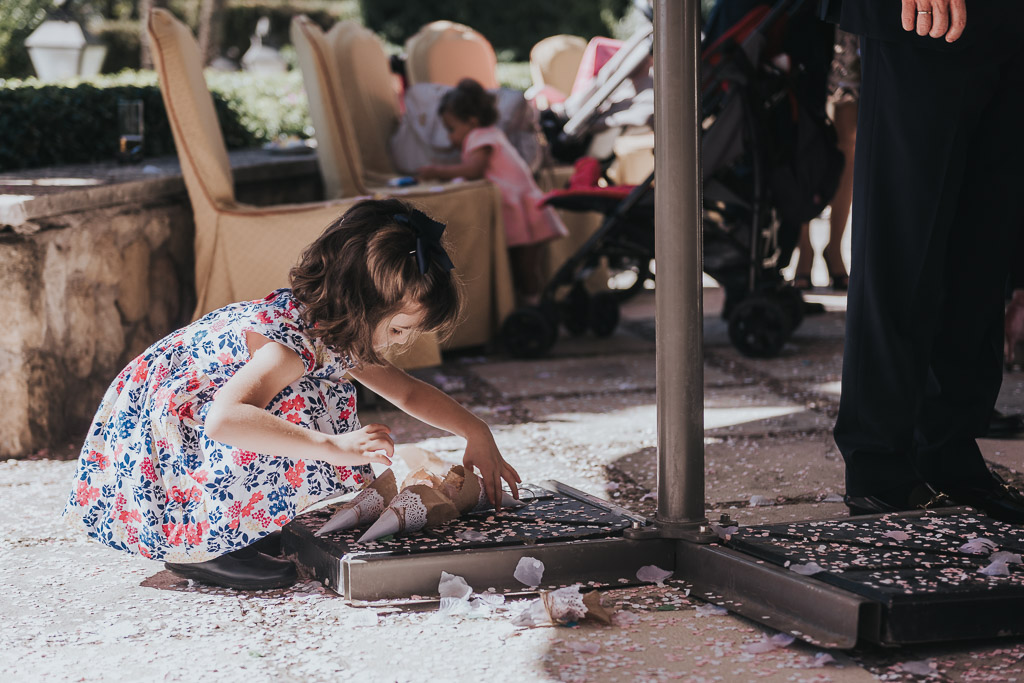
(938, 198)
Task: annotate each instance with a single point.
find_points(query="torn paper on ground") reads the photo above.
(529, 571)
(653, 574)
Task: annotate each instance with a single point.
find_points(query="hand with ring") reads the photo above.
(935, 18)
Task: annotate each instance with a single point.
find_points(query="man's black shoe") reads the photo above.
(996, 499)
(244, 569)
(921, 497)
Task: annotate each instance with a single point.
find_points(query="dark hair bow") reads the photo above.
(428, 239)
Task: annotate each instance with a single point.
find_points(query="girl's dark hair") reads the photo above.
(468, 99)
(362, 271)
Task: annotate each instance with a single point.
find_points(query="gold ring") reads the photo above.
(923, 11)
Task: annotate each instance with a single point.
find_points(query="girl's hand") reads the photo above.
(372, 443)
(482, 452)
(427, 172)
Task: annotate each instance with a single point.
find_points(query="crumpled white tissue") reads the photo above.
(978, 546)
(529, 571)
(1006, 556)
(806, 569)
(996, 568)
(709, 610)
(653, 574)
(767, 644)
(535, 614)
(452, 586)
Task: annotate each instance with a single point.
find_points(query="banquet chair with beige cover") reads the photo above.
(472, 210)
(554, 62)
(446, 52)
(242, 252)
(371, 96)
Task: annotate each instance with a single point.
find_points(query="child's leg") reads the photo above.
(528, 271)
(805, 259)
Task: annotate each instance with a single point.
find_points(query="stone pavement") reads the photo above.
(73, 610)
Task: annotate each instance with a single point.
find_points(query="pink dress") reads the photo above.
(526, 222)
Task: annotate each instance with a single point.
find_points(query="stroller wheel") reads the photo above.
(759, 326)
(604, 313)
(528, 333)
(793, 300)
(576, 310)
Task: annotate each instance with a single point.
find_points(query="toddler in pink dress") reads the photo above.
(469, 113)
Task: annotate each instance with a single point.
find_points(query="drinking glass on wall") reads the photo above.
(130, 130)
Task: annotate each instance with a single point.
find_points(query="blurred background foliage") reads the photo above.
(75, 122)
(511, 27)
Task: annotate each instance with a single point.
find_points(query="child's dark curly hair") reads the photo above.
(469, 100)
(362, 271)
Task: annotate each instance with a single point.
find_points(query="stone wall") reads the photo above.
(82, 298)
(84, 292)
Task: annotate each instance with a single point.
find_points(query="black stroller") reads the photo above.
(764, 156)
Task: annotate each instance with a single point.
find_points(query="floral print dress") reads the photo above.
(149, 480)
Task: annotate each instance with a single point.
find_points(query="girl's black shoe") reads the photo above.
(245, 569)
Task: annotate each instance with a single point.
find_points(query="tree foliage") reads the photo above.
(511, 27)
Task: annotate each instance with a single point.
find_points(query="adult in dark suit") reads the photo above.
(937, 185)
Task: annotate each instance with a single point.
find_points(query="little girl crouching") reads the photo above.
(222, 432)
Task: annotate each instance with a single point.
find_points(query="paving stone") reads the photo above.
(754, 411)
(737, 470)
(681, 643)
(1006, 452)
(587, 375)
(773, 514)
(816, 360)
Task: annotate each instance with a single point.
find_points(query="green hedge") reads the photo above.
(48, 125)
(511, 27)
(122, 33)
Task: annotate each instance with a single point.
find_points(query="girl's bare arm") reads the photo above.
(472, 167)
(433, 406)
(238, 416)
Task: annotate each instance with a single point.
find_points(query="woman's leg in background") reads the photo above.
(845, 120)
(804, 259)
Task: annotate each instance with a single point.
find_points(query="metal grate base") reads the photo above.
(576, 536)
(912, 565)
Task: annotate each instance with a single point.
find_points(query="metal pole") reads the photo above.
(678, 248)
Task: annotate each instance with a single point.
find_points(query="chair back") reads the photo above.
(369, 91)
(446, 52)
(197, 135)
(555, 60)
(337, 148)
